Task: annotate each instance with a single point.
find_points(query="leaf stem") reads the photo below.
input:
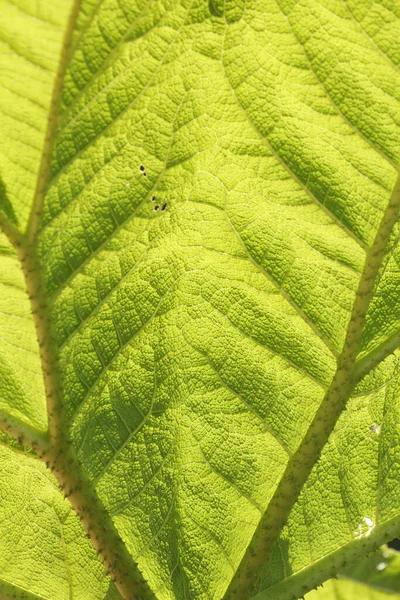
(11, 232)
(61, 457)
(23, 433)
(56, 449)
(300, 583)
(301, 463)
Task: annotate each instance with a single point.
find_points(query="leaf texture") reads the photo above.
(350, 502)
(212, 197)
(382, 329)
(31, 34)
(44, 552)
(21, 381)
(219, 172)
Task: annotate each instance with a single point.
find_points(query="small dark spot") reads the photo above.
(395, 544)
(144, 174)
(153, 198)
(141, 168)
(156, 207)
(164, 206)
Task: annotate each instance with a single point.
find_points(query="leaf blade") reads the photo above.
(348, 506)
(30, 42)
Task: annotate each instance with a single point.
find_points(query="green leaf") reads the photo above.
(381, 570)
(381, 334)
(21, 383)
(31, 35)
(219, 174)
(344, 589)
(349, 505)
(376, 578)
(44, 552)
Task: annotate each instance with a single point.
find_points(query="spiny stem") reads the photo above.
(23, 433)
(10, 231)
(57, 451)
(47, 348)
(300, 583)
(301, 463)
(61, 457)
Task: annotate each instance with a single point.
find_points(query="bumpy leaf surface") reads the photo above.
(31, 34)
(44, 552)
(350, 502)
(21, 382)
(219, 172)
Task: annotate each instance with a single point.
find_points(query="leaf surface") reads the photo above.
(219, 173)
(21, 381)
(197, 341)
(381, 333)
(44, 552)
(347, 590)
(350, 503)
(31, 35)
(381, 570)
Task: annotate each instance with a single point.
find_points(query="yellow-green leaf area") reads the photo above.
(377, 577)
(380, 21)
(44, 552)
(350, 503)
(344, 589)
(31, 34)
(211, 204)
(21, 378)
(382, 328)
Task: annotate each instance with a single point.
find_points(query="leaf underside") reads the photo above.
(375, 578)
(219, 172)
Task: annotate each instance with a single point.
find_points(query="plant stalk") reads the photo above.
(299, 466)
(61, 457)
